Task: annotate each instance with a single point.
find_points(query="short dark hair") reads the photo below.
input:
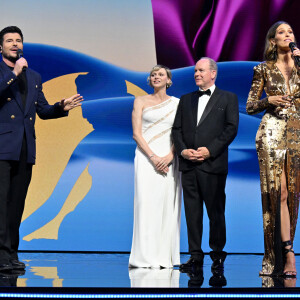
(10, 29)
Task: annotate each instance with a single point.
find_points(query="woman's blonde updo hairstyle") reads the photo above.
(158, 67)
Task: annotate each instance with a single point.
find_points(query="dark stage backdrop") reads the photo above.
(81, 196)
(225, 30)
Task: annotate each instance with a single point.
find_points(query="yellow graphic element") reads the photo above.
(48, 273)
(79, 191)
(21, 282)
(134, 89)
(56, 141)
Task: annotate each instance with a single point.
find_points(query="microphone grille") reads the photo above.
(20, 53)
(292, 45)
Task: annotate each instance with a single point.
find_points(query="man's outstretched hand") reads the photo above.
(72, 102)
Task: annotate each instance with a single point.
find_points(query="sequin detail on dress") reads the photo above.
(277, 144)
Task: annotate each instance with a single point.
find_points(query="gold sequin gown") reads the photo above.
(277, 144)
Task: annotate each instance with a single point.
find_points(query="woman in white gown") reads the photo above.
(157, 191)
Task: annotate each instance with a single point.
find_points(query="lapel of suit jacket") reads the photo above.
(212, 101)
(30, 90)
(14, 87)
(194, 106)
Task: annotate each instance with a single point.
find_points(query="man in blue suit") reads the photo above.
(21, 97)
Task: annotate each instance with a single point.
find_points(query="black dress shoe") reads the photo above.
(12, 274)
(187, 265)
(218, 279)
(191, 263)
(218, 264)
(5, 266)
(16, 264)
(218, 258)
(196, 277)
(18, 272)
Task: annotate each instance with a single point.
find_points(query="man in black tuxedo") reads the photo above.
(206, 123)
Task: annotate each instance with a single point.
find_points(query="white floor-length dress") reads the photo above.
(157, 197)
(161, 278)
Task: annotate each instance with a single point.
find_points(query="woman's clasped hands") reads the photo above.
(161, 164)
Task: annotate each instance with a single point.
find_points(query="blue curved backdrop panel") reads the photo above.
(136, 34)
(103, 220)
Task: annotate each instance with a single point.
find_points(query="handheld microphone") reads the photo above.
(293, 45)
(19, 55)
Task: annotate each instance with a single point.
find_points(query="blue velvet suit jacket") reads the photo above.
(15, 120)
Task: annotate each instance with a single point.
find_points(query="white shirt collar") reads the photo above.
(212, 89)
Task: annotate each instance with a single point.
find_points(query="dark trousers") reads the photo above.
(199, 187)
(15, 177)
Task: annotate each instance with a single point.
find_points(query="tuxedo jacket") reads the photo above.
(216, 129)
(15, 120)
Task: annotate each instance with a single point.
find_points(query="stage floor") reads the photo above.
(111, 271)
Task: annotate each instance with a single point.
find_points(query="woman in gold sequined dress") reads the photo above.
(278, 147)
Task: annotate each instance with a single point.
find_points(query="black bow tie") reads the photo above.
(201, 93)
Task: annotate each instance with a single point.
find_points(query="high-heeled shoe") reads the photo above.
(288, 274)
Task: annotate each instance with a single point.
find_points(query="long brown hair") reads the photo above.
(270, 52)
